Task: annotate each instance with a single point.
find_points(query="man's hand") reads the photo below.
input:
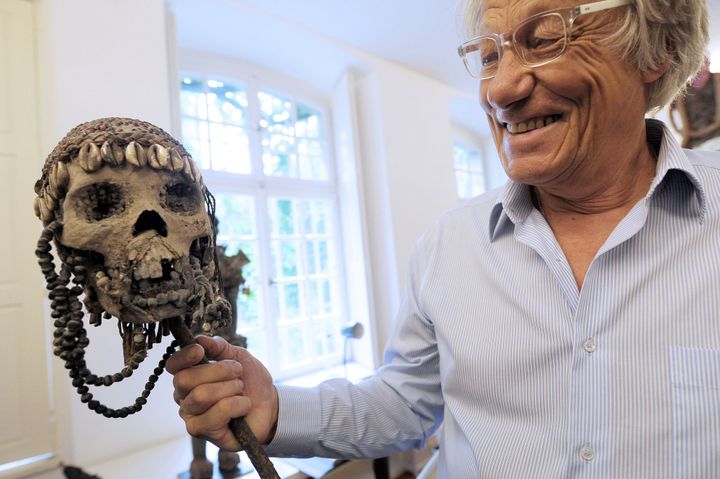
(234, 384)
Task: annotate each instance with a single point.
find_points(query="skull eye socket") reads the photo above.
(180, 197)
(100, 201)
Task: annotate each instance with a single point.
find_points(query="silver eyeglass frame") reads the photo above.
(507, 39)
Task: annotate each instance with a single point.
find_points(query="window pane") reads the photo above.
(292, 345)
(332, 336)
(230, 149)
(195, 139)
(221, 143)
(477, 184)
(227, 105)
(327, 297)
(311, 257)
(469, 172)
(237, 231)
(463, 184)
(189, 101)
(279, 158)
(258, 347)
(276, 114)
(314, 298)
(316, 216)
(461, 158)
(308, 122)
(282, 216)
(323, 263)
(289, 302)
(312, 167)
(285, 259)
(236, 216)
(312, 161)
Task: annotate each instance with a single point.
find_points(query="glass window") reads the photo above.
(292, 143)
(215, 125)
(469, 170)
(282, 214)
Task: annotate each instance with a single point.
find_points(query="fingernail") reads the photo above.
(237, 368)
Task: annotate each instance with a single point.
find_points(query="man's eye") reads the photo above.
(543, 42)
(181, 197)
(489, 59)
(100, 201)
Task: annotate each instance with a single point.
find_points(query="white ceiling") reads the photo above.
(317, 40)
(322, 34)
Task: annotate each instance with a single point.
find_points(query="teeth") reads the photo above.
(533, 124)
(102, 281)
(145, 270)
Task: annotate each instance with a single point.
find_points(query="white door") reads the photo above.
(26, 430)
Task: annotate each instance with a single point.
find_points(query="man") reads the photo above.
(567, 325)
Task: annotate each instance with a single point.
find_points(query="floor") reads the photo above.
(167, 461)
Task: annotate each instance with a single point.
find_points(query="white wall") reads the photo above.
(102, 58)
(406, 151)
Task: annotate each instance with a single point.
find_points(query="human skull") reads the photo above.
(129, 212)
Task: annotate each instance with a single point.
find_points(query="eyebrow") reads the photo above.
(537, 7)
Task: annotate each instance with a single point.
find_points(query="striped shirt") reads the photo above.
(531, 377)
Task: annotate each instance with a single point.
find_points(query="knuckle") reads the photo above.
(199, 396)
(193, 428)
(179, 382)
(191, 404)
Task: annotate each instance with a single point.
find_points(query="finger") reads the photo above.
(213, 424)
(186, 357)
(218, 348)
(203, 397)
(188, 379)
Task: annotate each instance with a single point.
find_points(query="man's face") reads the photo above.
(590, 103)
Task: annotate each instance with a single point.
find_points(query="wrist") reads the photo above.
(275, 413)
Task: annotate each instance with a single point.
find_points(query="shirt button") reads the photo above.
(589, 346)
(587, 453)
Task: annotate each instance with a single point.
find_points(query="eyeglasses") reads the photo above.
(536, 41)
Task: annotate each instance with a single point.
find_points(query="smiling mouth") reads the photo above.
(532, 124)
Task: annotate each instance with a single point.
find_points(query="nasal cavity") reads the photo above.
(148, 221)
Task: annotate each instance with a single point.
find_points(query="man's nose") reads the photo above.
(513, 82)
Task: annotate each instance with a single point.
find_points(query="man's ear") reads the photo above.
(650, 76)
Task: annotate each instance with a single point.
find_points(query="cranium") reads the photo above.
(133, 225)
(143, 223)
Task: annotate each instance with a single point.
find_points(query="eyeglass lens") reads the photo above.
(537, 41)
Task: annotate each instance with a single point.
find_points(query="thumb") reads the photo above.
(216, 348)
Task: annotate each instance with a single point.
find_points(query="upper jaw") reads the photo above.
(529, 123)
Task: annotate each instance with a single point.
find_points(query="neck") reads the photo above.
(608, 187)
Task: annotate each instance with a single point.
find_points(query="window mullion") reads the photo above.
(266, 280)
(254, 136)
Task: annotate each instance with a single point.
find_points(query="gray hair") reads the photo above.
(655, 32)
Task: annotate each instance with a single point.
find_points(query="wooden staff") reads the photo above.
(238, 426)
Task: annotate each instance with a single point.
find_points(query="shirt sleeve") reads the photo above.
(396, 409)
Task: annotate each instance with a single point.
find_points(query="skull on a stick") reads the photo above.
(132, 224)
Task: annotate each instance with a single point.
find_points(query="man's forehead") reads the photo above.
(500, 15)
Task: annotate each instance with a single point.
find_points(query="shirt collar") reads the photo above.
(514, 202)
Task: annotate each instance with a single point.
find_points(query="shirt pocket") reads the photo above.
(695, 395)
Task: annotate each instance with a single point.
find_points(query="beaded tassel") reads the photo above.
(70, 337)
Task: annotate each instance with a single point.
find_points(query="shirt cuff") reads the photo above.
(299, 418)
